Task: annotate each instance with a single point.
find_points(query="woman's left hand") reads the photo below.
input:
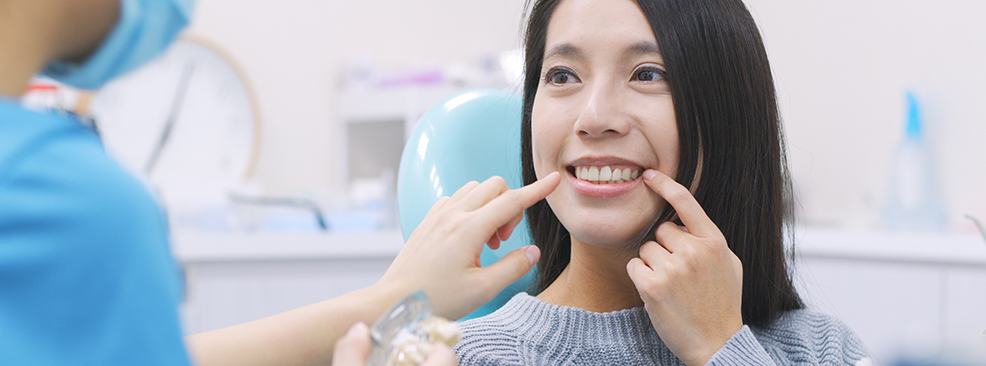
(690, 281)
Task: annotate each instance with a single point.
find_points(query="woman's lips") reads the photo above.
(596, 186)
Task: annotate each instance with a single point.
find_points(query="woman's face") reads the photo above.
(603, 106)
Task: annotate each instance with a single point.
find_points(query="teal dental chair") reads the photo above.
(471, 136)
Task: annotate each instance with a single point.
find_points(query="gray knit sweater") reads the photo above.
(527, 331)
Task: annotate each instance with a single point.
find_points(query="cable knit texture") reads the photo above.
(528, 331)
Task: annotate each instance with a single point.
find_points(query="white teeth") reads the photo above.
(605, 174)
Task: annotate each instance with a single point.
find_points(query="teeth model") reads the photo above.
(411, 349)
(605, 174)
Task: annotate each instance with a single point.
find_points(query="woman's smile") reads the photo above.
(603, 177)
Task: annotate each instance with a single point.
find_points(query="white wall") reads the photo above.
(841, 66)
(294, 51)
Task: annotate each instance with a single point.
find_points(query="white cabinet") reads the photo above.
(890, 306)
(374, 124)
(965, 322)
(901, 293)
(232, 279)
(904, 294)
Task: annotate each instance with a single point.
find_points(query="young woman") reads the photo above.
(663, 244)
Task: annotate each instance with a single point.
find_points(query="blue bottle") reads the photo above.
(913, 201)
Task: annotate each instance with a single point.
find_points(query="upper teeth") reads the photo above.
(605, 174)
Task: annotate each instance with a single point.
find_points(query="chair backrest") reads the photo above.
(470, 136)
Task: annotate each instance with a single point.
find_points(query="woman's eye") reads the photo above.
(560, 76)
(649, 74)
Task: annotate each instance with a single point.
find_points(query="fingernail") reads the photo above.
(356, 328)
(649, 174)
(533, 253)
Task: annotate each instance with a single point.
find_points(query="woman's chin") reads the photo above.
(606, 239)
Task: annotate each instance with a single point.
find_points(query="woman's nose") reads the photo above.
(601, 114)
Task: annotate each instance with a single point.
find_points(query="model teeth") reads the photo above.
(605, 174)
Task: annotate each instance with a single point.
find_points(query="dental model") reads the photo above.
(404, 335)
(411, 348)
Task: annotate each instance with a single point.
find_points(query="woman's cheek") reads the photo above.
(544, 149)
(537, 153)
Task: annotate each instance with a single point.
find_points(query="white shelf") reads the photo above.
(391, 103)
(197, 247)
(892, 246)
(811, 242)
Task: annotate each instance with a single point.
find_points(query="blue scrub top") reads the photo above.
(86, 276)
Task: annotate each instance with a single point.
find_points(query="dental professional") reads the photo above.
(86, 276)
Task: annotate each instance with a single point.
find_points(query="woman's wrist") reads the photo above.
(379, 297)
(710, 345)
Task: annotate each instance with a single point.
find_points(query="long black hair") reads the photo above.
(728, 121)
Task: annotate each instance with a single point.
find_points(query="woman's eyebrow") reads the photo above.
(642, 48)
(564, 49)
(570, 50)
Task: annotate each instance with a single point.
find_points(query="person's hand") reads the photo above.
(689, 280)
(353, 349)
(442, 255)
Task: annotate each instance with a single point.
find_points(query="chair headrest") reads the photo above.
(468, 137)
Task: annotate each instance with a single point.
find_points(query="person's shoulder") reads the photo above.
(23, 131)
(34, 142)
(61, 190)
(812, 335)
(808, 321)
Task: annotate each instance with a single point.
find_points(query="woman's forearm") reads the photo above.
(304, 336)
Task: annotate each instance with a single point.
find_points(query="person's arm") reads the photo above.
(441, 257)
(303, 336)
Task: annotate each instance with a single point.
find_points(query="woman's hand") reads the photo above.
(442, 255)
(689, 280)
(353, 349)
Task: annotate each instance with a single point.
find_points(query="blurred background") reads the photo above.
(319, 96)
(842, 69)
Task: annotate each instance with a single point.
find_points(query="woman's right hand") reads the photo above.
(442, 255)
(691, 283)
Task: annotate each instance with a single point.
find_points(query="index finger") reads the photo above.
(509, 204)
(691, 213)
